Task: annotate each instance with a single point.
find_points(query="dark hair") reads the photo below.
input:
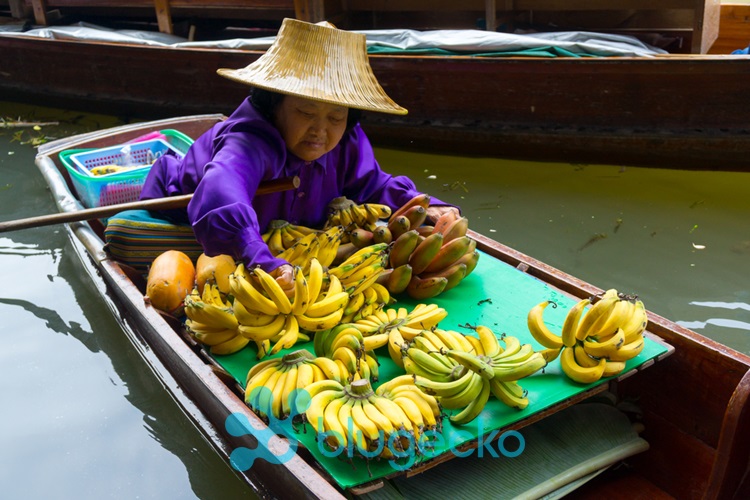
(266, 102)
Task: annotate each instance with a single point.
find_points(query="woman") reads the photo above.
(301, 119)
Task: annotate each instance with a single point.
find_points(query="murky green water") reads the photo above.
(83, 416)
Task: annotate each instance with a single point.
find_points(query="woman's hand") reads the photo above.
(284, 276)
(434, 212)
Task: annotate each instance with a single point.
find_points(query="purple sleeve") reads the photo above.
(221, 210)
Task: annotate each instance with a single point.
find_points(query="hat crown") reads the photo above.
(318, 62)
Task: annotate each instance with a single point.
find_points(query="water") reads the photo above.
(84, 417)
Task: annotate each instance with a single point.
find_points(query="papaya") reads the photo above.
(170, 278)
(214, 268)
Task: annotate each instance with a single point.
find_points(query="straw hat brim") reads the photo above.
(319, 63)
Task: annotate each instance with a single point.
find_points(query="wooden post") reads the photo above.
(164, 16)
(706, 14)
(312, 11)
(40, 12)
(17, 9)
(490, 14)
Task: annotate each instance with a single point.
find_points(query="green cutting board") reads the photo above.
(496, 295)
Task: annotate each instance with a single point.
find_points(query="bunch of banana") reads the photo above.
(354, 415)
(322, 245)
(362, 269)
(266, 313)
(597, 342)
(425, 265)
(409, 216)
(397, 327)
(345, 212)
(272, 386)
(366, 302)
(344, 344)
(281, 235)
(211, 321)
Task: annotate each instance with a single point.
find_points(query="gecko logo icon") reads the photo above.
(237, 424)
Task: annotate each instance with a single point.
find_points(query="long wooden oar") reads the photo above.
(167, 203)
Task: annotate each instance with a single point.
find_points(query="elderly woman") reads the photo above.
(302, 119)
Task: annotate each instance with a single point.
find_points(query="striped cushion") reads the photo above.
(136, 238)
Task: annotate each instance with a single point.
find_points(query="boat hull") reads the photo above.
(685, 112)
(695, 403)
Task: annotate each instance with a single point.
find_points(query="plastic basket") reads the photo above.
(119, 187)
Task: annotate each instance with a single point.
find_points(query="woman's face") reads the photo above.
(310, 128)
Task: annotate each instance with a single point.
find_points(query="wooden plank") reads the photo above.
(734, 32)
(312, 11)
(17, 9)
(490, 15)
(40, 12)
(705, 25)
(164, 16)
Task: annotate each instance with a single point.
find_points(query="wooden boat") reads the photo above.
(695, 403)
(673, 111)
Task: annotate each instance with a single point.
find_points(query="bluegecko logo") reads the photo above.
(430, 444)
(237, 425)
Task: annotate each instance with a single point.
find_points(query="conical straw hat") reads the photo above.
(318, 62)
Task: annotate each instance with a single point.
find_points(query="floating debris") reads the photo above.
(693, 228)
(618, 223)
(699, 247)
(592, 240)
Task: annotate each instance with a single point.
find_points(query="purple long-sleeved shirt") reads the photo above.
(225, 165)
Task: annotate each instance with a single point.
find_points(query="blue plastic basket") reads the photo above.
(126, 185)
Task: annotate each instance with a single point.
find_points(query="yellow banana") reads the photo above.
(305, 375)
(331, 303)
(214, 338)
(274, 290)
(302, 297)
(209, 314)
(314, 280)
(489, 341)
(354, 303)
(290, 335)
(504, 391)
(330, 369)
(259, 380)
(628, 351)
(476, 345)
(254, 318)
(606, 348)
(538, 328)
(474, 408)
(578, 373)
(596, 315)
(317, 405)
(382, 422)
(250, 297)
(582, 357)
(392, 411)
(365, 424)
(265, 332)
(235, 344)
(463, 398)
(478, 364)
(425, 316)
(318, 323)
(570, 325)
(636, 323)
(621, 311)
(411, 410)
(612, 368)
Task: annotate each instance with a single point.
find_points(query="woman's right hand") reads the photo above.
(284, 276)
